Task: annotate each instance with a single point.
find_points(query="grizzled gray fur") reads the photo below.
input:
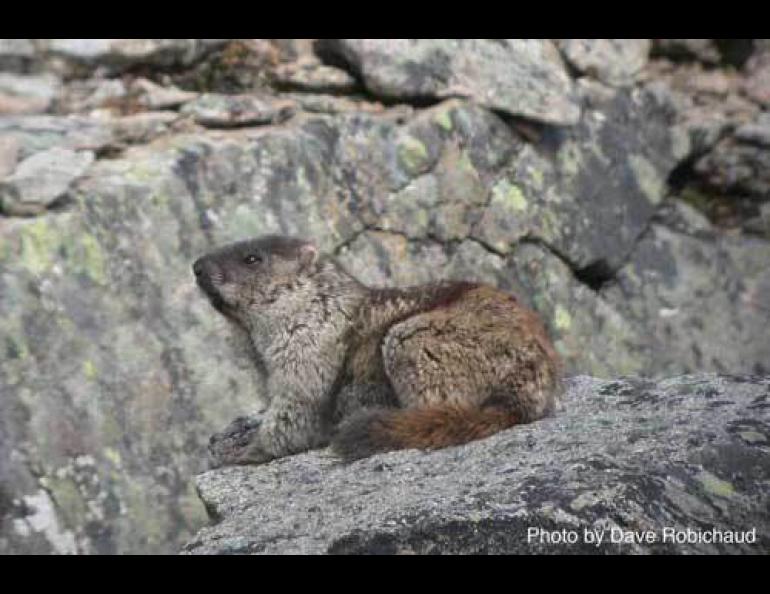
(372, 369)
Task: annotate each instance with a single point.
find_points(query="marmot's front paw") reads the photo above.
(233, 444)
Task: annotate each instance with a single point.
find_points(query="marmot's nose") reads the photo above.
(198, 267)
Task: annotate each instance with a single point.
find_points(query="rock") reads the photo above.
(100, 131)
(41, 179)
(332, 104)
(16, 54)
(740, 163)
(757, 82)
(674, 277)
(228, 111)
(619, 457)
(27, 93)
(9, 155)
(613, 61)
(704, 50)
(42, 132)
(707, 104)
(152, 96)
(594, 94)
(119, 54)
(239, 66)
(757, 132)
(707, 87)
(556, 190)
(143, 127)
(760, 223)
(313, 76)
(95, 93)
(107, 347)
(21, 105)
(534, 84)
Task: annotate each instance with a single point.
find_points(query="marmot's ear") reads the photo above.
(308, 254)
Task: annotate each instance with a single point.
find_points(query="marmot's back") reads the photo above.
(464, 360)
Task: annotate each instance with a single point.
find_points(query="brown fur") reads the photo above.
(374, 369)
(464, 361)
(426, 428)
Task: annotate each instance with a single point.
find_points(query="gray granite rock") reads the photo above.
(612, 61)
(9, 155)
(623, 458)
(85, 95)
(565, 189)
(689, 286)
(41, 179)
(153, 96)
(230, 111)
(42, 132)
(757, 83)
(312, 76)
(16, 54)
(27, 93)
(740, 163)
(704, 50)
(119, 54)
(141, 127)
(522, 77)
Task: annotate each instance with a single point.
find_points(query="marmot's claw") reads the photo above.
(227, 446)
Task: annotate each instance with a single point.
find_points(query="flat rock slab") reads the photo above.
(41, 132)
(118, 54)
(42, 178)
(27, 93)
(9, 155)
(522, 77)
(612, 61)
(229, 111)
(739, 165)
(671, 463)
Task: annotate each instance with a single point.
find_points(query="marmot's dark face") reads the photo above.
(242, 278)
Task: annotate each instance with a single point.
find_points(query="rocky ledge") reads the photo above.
(676, 463)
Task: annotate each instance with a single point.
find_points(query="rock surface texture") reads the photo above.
(620, 457)
(620, 189)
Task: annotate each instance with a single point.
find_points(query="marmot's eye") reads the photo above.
(252, 259)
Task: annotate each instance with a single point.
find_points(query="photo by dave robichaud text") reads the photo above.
(616, 535)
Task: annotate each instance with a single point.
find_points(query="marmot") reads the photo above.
(373, 369)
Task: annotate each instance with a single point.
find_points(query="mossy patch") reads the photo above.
(648, 178)
(38, 246)
(89, 370)
(413, 154)
(509, 196)
(444, 119)
(561, 318)
(538, 178)
(69, 500)
(570, 159)
(89, 258)
(714, 485)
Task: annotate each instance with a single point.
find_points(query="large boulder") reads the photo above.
(120, 54)
(681, 464)
(615, 62)
(40, 180)
(523, 77)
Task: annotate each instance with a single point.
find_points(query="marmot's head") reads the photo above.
(248, 278)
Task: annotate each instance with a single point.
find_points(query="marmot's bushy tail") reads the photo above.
(383, 430)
